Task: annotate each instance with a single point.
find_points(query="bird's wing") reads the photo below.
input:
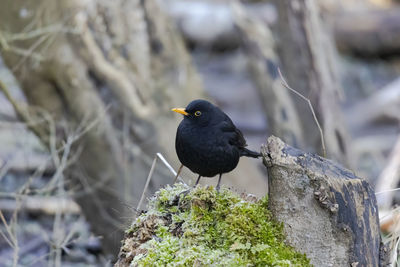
(235, 135)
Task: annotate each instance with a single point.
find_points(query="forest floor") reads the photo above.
(226, 80)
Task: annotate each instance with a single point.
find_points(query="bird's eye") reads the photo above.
(197, 113)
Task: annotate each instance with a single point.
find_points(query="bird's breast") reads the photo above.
(205, 151)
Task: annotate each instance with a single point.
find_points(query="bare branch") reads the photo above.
(37, 130)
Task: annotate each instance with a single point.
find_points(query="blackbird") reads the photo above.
(207, 142)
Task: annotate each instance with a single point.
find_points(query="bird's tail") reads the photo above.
(248, 153)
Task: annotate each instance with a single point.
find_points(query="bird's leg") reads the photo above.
(219, 181)
(197, 182)
(184, 193)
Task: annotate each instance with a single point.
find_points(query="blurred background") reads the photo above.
(87, 88)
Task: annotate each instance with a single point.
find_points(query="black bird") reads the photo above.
(207, 142)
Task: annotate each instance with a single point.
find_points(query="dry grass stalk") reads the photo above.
(389, 179)
(153, 165)
(285, 84)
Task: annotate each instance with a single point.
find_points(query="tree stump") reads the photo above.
(328, 213)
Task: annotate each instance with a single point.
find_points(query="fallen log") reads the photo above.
(368, 32)
(382, 107)
(48, 205)
(212, 23)
(365, 32)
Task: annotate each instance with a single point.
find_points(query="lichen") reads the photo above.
(203, 227)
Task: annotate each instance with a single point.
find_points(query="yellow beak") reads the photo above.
(180, 110)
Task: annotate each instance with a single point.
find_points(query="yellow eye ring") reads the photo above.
(197, 113)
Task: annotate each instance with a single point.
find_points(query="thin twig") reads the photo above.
(10, 242)
(389, 177)
(285, 84)
(166, 163)
(179, 172)
(3, 42)
(147, 182)
(386, 191)
(22, 36)
(170, 168)
(26, 53)
(153, 165)
(30, 53)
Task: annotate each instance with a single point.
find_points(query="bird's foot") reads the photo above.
(184, 193)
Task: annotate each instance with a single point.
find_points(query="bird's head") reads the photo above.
(199, 111)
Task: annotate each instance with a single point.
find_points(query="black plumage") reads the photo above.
(207, 142)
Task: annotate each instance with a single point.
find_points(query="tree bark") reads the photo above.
(327, 212)
(259, 45)
(307, 55)
(119, 64)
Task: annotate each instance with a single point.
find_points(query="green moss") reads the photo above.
(203, 227)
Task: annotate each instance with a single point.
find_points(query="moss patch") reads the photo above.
(203, 227)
